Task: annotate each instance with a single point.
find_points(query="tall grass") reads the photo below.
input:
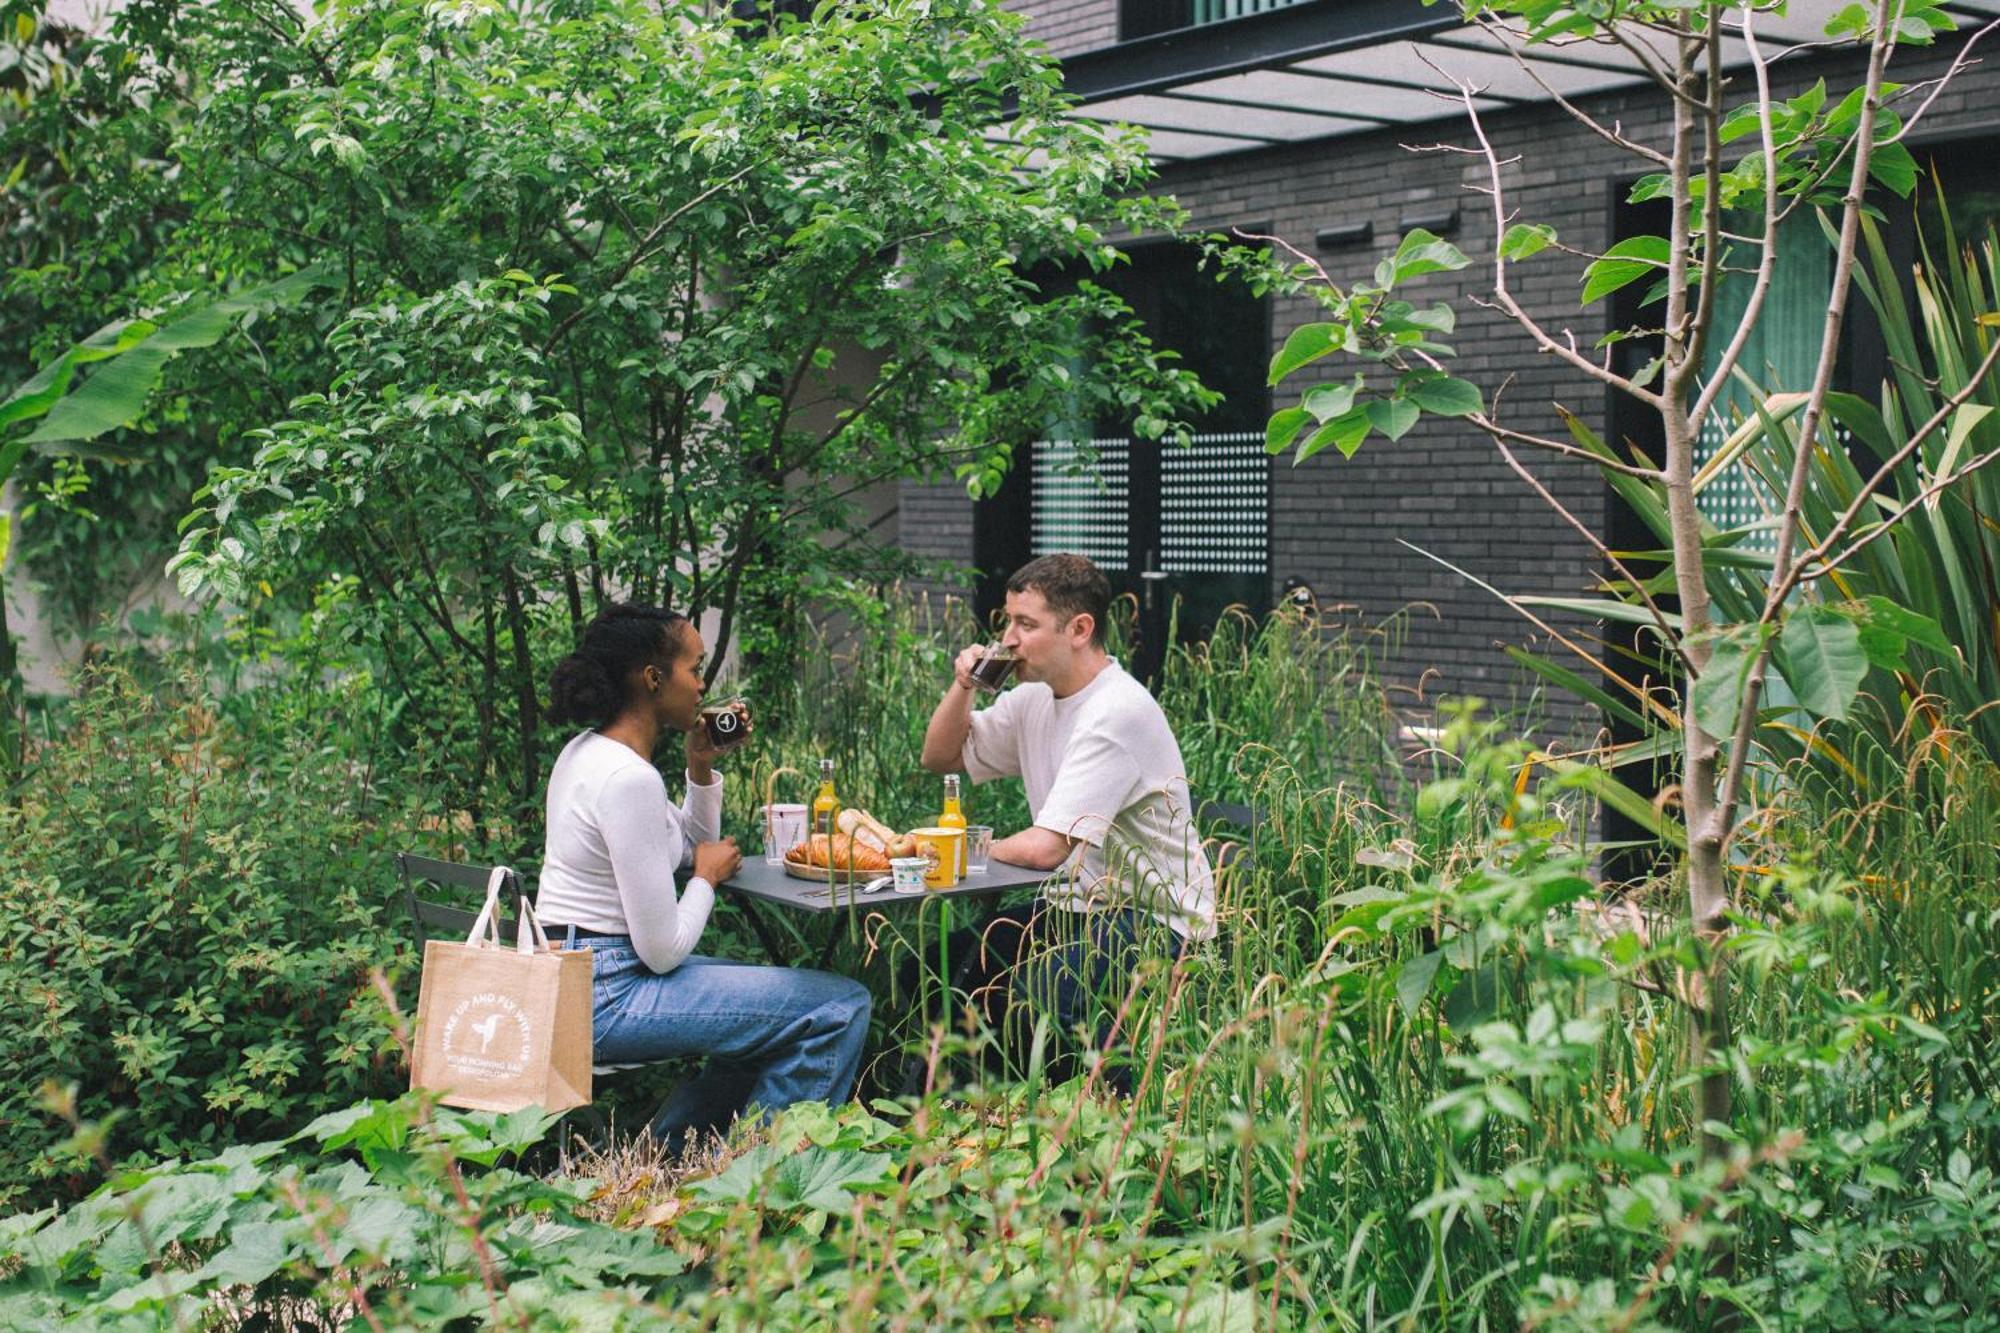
(1502, 1133)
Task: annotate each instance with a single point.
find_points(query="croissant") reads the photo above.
(841, 852)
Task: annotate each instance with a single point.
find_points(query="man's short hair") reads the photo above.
(1071, 585)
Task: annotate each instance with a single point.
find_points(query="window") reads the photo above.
(1149, 18)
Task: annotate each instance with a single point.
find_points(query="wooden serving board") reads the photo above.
(825, 875)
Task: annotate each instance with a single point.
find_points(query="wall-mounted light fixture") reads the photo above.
(1349, 233)
(1442, 222)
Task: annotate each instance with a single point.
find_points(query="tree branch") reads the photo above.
(1782, 578)
(1845, 523)
(1612, 136)
(1667, 634)
(1505, 298)
(1767, 263)
(1958, 64)
(643, 250)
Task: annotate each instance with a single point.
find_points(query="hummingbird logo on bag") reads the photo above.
(487, 1036)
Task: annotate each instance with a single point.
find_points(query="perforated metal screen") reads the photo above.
(1083, 506)
(1215, 503)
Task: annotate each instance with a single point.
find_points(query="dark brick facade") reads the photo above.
(1068, 27)
(1339, 524)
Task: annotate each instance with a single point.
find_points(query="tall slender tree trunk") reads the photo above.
(12, 741)
(527, 712)
(1708, 1027)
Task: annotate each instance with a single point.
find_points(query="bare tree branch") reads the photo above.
(1494, 428)
(1505, 298)
(1896, 515)
(1957, 65)
(1845, 523)
(1612, 135)
(1667, 635)
(1767, 262)
(643, 250)
(1782, 578)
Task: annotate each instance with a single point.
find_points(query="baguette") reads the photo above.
(864, 828)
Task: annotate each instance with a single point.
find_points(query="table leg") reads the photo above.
(915, 1065)
(826, 950)
(763, 929)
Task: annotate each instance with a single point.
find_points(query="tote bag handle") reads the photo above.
(485, 932)
(529, 937)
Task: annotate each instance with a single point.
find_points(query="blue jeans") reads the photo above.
(771, 1035)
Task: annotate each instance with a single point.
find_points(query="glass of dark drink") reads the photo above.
(727, 722)
(994, 668)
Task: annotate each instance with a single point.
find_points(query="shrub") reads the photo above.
(192, 906)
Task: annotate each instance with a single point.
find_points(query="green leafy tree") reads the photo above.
(1720, 159)
(775, 266)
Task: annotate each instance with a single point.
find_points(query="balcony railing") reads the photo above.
(1146, 18)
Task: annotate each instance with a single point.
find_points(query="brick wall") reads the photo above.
(1070, 26)
(937, 525)
(1339, 523)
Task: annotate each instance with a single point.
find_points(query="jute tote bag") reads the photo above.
(501, 1028)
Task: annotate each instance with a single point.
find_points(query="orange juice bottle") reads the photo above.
(826, 805)
(954, 817)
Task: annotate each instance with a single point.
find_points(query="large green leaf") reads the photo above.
(137, 353)
(204, 323)
(1625, 263)
(1600, 782)
(1601, 608)
(1582, 688)
(1718, 691)
(1911, 625)
(1393, 417)
(47, 386)
(815, 1178)
(1526, 238)
(1413, 980)
(1344, 432)
(1308, 343)
(1446, 397)
(112, 397)
(1284, 426)
(1327, 401)
(1419, 253)
(1823, 661)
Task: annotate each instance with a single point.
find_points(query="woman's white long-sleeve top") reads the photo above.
(614, 843)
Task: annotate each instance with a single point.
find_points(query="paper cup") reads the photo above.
(944, 850)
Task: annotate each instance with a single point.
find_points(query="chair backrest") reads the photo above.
(430, 918)
(1249, 818)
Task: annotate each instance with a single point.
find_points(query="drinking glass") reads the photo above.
(727, 722)
(994, 667)
(784, 829)
(978, 846)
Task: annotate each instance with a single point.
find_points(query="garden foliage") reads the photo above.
(1432, 1076)
(188, 933)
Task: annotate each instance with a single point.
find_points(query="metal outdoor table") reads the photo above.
(769, 883)
(761, 882)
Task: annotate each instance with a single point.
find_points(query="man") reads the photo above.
(1108, 795)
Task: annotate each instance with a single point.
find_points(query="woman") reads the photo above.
(772, 1035)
